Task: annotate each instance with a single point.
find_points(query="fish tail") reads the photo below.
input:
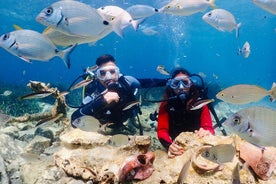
(212, 3)
(273, 92)
(237, 29)
(64, 55)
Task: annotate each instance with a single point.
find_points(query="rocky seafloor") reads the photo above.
(56, 153)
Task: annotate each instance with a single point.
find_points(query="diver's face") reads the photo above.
(108, 73)
(182, 83)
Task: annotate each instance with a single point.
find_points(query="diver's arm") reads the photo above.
(163, 126)
(206, 120)
(152, 82)
(93, 108)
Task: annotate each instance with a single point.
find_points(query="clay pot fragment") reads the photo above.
(261, 160)
(137, 167)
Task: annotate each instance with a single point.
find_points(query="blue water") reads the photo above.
(186, 41)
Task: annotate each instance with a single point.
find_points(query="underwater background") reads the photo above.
(172, 41)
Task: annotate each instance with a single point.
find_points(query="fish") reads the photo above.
(149, 31)
(31, 45)
(6, 93)
(255, 124)
(41, 94)
(187, 7)
(161, 69)
(87, 123)
(236, 174)
(199, 104)
(73, 18)
(245, 50)
(222, 20)
(131, 104)
(50, 119)
(184, 171)
(118, 140)
(245, 93)
(268, 5)
(91, 70)
(82, 83)
(64, 40)
(140, 11)
(118, 18)
(221, 153)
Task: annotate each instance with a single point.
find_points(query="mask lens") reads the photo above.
(176, 82)
(108, 71)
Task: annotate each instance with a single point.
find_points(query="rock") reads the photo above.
(38, 145)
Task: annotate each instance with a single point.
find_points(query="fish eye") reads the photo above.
(236, 120)
(207, 154)
(49, 11)
(209, 14)
(6, 36)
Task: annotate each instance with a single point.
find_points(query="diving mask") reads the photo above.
(179, 82)
(107, 72)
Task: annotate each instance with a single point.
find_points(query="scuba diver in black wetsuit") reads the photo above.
(112, 99)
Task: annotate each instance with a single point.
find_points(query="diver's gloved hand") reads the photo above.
(110, 97)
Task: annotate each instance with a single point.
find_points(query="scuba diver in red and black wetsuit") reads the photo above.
(175, 115)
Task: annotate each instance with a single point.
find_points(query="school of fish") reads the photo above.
(70, 23)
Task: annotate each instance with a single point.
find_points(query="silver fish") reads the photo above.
(221, 153)
(31, 45)
(184, 171)
(87, 123)
(187, 7)
(118, 18)
(245, 50)
(222, 20)
(6, 93)
(140, 11)
(131, 104)
(161, 69)
(118, 140)
(199, 104)
(41, 94)
(73, 18)
(256, 125)
(62, 39)
(236, 174)
(268, 5)
(50, 119)
(245, 93)
(82, 83)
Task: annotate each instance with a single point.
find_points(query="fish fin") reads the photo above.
(17, 27)
(47, 30)
(272, 92)
(212, 4)
(237, 29)
(118, 30)
(64, 55)
(25, 59)
(136, 23)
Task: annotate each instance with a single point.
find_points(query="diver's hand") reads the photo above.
(110, 97)
(202, 133)
(175, 150)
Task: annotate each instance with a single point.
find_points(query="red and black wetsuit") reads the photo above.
(173, 118)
